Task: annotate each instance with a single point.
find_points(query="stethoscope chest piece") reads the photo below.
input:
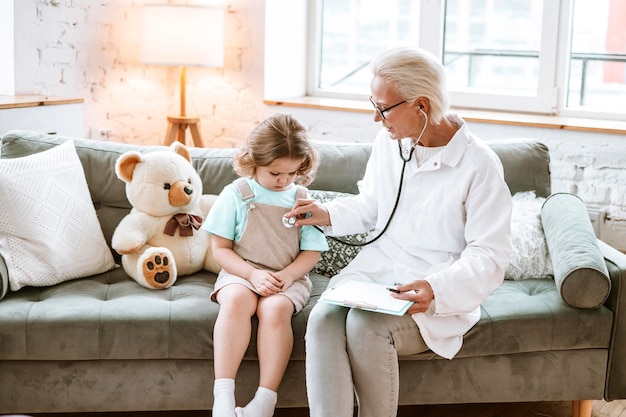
(289, 222)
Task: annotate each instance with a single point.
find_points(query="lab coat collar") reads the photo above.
(454, 150)
(452, 153)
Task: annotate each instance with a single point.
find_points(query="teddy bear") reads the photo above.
(161, 239)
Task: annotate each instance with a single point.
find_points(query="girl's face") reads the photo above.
(279, 175)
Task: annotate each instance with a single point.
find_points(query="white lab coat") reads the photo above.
(451, 227)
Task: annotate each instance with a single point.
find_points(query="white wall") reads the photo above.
(82, 48)
(7, 75)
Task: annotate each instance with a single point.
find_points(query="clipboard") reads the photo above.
(370, 296)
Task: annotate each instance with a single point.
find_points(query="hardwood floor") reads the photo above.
(540, 409)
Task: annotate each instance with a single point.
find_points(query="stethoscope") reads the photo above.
(410, 153)
(395, 205)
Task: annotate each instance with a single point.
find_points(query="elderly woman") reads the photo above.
(436, 197)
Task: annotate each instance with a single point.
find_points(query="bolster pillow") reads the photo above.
(580, 272)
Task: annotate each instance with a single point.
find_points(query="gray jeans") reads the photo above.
(351, 351)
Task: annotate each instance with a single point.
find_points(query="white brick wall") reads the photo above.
(83, 48)
(590, 165)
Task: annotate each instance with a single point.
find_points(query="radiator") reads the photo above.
(597, 217)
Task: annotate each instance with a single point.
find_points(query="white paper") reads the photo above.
(367, 296)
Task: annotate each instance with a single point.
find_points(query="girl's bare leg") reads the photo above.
(231, 337)
(274, 346)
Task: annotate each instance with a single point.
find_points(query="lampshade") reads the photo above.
(182, 35)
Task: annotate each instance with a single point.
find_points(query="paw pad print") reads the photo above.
(157, 270)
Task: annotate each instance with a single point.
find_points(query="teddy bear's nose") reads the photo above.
(181, 194)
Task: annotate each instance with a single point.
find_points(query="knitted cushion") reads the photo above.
(49, 232)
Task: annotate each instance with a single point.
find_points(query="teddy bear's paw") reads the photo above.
(126, 251)
(159, 269)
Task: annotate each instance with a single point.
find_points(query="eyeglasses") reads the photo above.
(381, 112)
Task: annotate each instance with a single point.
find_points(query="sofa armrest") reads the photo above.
(616, 370)
(4, 278)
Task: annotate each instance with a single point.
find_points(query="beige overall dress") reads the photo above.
(267, 244)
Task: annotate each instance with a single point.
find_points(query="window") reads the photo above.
(563, 57)
(493, 53)
(597, 57)
(353, 31)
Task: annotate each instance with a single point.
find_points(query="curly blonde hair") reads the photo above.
(279, 136)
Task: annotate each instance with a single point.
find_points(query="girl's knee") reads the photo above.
(237, 299)
(276, 308)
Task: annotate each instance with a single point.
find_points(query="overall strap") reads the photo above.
(246, 192)
(247, 195)
(302, 192)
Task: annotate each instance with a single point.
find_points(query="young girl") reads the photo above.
(265, 262)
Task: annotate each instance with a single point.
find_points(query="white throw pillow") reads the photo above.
(49, 232)
(530, 257)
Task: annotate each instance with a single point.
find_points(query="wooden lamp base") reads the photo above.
(177, 125)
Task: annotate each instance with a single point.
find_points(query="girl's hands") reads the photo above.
(266, 282)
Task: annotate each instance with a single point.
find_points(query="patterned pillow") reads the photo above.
(338, 254)
(530, 257)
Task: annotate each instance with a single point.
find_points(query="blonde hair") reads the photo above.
(415, 73)
(279, 136)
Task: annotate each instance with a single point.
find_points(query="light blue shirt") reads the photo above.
(229, 214)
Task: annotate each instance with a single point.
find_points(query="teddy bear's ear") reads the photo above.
(181, 149)
(125, 165)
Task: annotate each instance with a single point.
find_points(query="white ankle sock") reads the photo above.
(262, 405)
(224, 398)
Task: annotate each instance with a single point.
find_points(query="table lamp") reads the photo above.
(182, 35)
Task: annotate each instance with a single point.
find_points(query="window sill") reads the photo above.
(477, 116)
(21, 101)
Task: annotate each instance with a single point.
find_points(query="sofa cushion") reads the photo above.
(49, 232)
(342, 165)
(526, 164)
(109, 316)
(530, 316)
(580, 271)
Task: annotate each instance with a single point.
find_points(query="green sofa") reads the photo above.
(103, 343)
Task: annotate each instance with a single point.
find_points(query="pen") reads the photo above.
(394, 290)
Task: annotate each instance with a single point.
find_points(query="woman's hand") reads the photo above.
(266, 282)
(309, 212)
(420, 292)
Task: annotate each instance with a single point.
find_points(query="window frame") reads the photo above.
(563, 70)
(548, 99)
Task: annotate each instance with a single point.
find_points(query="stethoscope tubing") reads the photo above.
(395, 205)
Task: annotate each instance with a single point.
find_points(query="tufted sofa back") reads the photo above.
(526, 167)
